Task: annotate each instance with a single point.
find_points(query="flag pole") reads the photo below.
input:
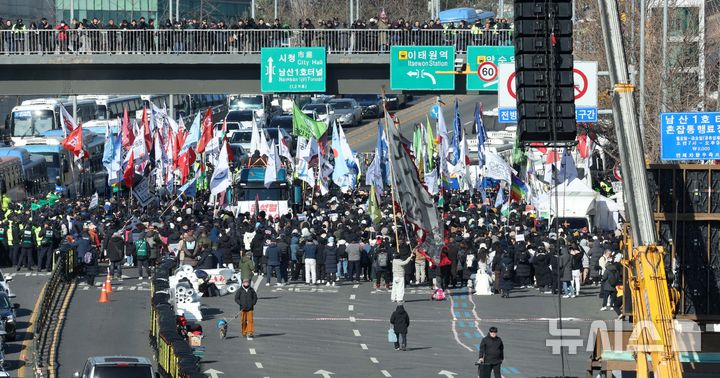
(392, 175)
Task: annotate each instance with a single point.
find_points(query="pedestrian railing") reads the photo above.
(49, 314)
(238, 41)
(173, 354)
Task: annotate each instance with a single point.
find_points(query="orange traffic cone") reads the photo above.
(103, 296)
(108, 285)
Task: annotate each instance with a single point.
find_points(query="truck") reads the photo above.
(250, 188)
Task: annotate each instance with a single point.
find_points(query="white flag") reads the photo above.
(220, 180)
(496, 167)
(273, 167)
(94, 201)
(67, 122)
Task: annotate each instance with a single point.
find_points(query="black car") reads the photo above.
(371, 104)
(396, 101)
(7, 316)
(284, 122)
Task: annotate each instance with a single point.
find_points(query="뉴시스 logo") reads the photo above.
(684, 337)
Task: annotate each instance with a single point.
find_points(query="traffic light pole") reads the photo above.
(632, 155)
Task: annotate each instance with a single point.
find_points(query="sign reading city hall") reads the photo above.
(293, 69)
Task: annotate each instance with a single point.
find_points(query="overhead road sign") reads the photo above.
(483, 62)
(422, 68)
(690, 136)
(293, 69)
(585, 81)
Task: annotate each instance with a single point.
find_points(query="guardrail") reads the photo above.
(173, 354)
(53, 295)
(239, 41)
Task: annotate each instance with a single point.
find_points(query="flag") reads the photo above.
(206, 130)
(257, 205)
(93, 201)
(128, 137)
(381, 149)
(220, 180)
(430, 145)
(189, 189)
(146, 130)
(74, 142)
(568, 171)
(272, 167)
(305, 173)
(192, 137)
(108, 151)
(553, 156)
(442, 133)
(518, 189)
(500, 199)
(67, 122)
(519, 157)
(258, 141)
(416, 203)
(373, 208)
(481, 134)
(284, 149)
(305, 126)
(457, 134)
(307, 148)
(129, 174)
(341, 175)
(497, 168)
(583, 146)
(373, 175)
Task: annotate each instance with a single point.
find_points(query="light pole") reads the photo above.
(275, 10)
(252, 10)
(663, 86)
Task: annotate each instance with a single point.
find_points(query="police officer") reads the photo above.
(13, 234)
(27, 243)
(4, 253)
(46, 245)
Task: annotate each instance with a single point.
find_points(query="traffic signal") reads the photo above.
(544, 71)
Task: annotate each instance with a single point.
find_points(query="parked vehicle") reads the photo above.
(4, 286)
(396, 101)
(347, 111)
(7, 316)
(321, 112)
(117, 367)
(284, 122)
(371, 104)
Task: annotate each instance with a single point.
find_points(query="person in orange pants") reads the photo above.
(246, 298)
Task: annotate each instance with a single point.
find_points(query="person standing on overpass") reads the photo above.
(246, 298)
(492, 351)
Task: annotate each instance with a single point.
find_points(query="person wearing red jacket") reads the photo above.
(445, 268)
(63, 37)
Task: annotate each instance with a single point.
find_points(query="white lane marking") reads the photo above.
(351, 308)
(477, 318)
(385, 373)
(364, 346)
(454, 323)
(356, 286)
(252, 351)
(119, 288)
(131, 288)
(356, 332)
(257, 283)
(374, 360)
(259, 365)
(352, 319)
(352, 297)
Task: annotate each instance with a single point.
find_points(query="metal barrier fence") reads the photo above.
(53, 294)
(172, 352)
(240, 41)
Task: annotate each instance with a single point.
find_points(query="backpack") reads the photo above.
(88, 258)
(141, 248)
(382, 259)
(507, 272)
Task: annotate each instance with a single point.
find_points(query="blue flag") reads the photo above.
(457, 132)
(381, 150)
(189, 189)
(481, 134)
(193, 135)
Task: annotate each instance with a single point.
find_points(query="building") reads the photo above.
(28, 10)
(212, 10)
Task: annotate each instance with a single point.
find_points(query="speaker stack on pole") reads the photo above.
(544, 71)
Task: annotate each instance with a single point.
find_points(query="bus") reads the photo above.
(11, 181)
(34, 170)
(250, 185)
(34, 117)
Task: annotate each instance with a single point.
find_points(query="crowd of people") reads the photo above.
(331, 241)
(143, 35)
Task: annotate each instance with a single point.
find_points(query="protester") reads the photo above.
(398, 272)
(492, 352)
(401, 322)
(246, 298)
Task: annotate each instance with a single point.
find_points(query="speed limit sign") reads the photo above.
(487, 71)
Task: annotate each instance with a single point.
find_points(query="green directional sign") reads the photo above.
(482, 62)
(293, 69)
(422, 68)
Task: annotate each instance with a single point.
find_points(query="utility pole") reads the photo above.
(641, 112)
(632, 155)
(170, 10)
(501, 9)
(663, 87)
(352, 9)
(72, 10)
(177, 10)
(252, 10)
(275, 13)
(357, 9)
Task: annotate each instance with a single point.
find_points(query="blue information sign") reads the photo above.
(690, 136)
(507, 115)
(586, 114)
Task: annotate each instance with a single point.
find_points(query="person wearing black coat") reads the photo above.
(543, 274)
(207, 260)
(91, 268)
(492, 352)
(331, 260)
(400, 321)
(284, 247)
(246, 298)
(225, 247)
(115, 251)
(273, 260)
(256, 247)
(506, 275)
(524, 268)
(596, 252)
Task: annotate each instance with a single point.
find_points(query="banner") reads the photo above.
(496, 167)
(141, 192)
(271, 208)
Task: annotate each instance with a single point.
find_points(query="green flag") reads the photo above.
(305, 126)
(430, 141)
(373, 208)
(518, 153)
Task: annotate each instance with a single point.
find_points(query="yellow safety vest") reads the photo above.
(38, 236)
(9, 233)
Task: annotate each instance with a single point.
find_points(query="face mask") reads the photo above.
(246, 285)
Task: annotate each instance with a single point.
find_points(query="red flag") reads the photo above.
(553, 156)
(128, 137)
(129, 174)
(73, 142)
(146, 131)
(184, 162)
(583, 146)
(539, 147)
(207, 131)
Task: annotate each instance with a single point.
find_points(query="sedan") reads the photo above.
(7, 316)
(372, 105)
(347, 111)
